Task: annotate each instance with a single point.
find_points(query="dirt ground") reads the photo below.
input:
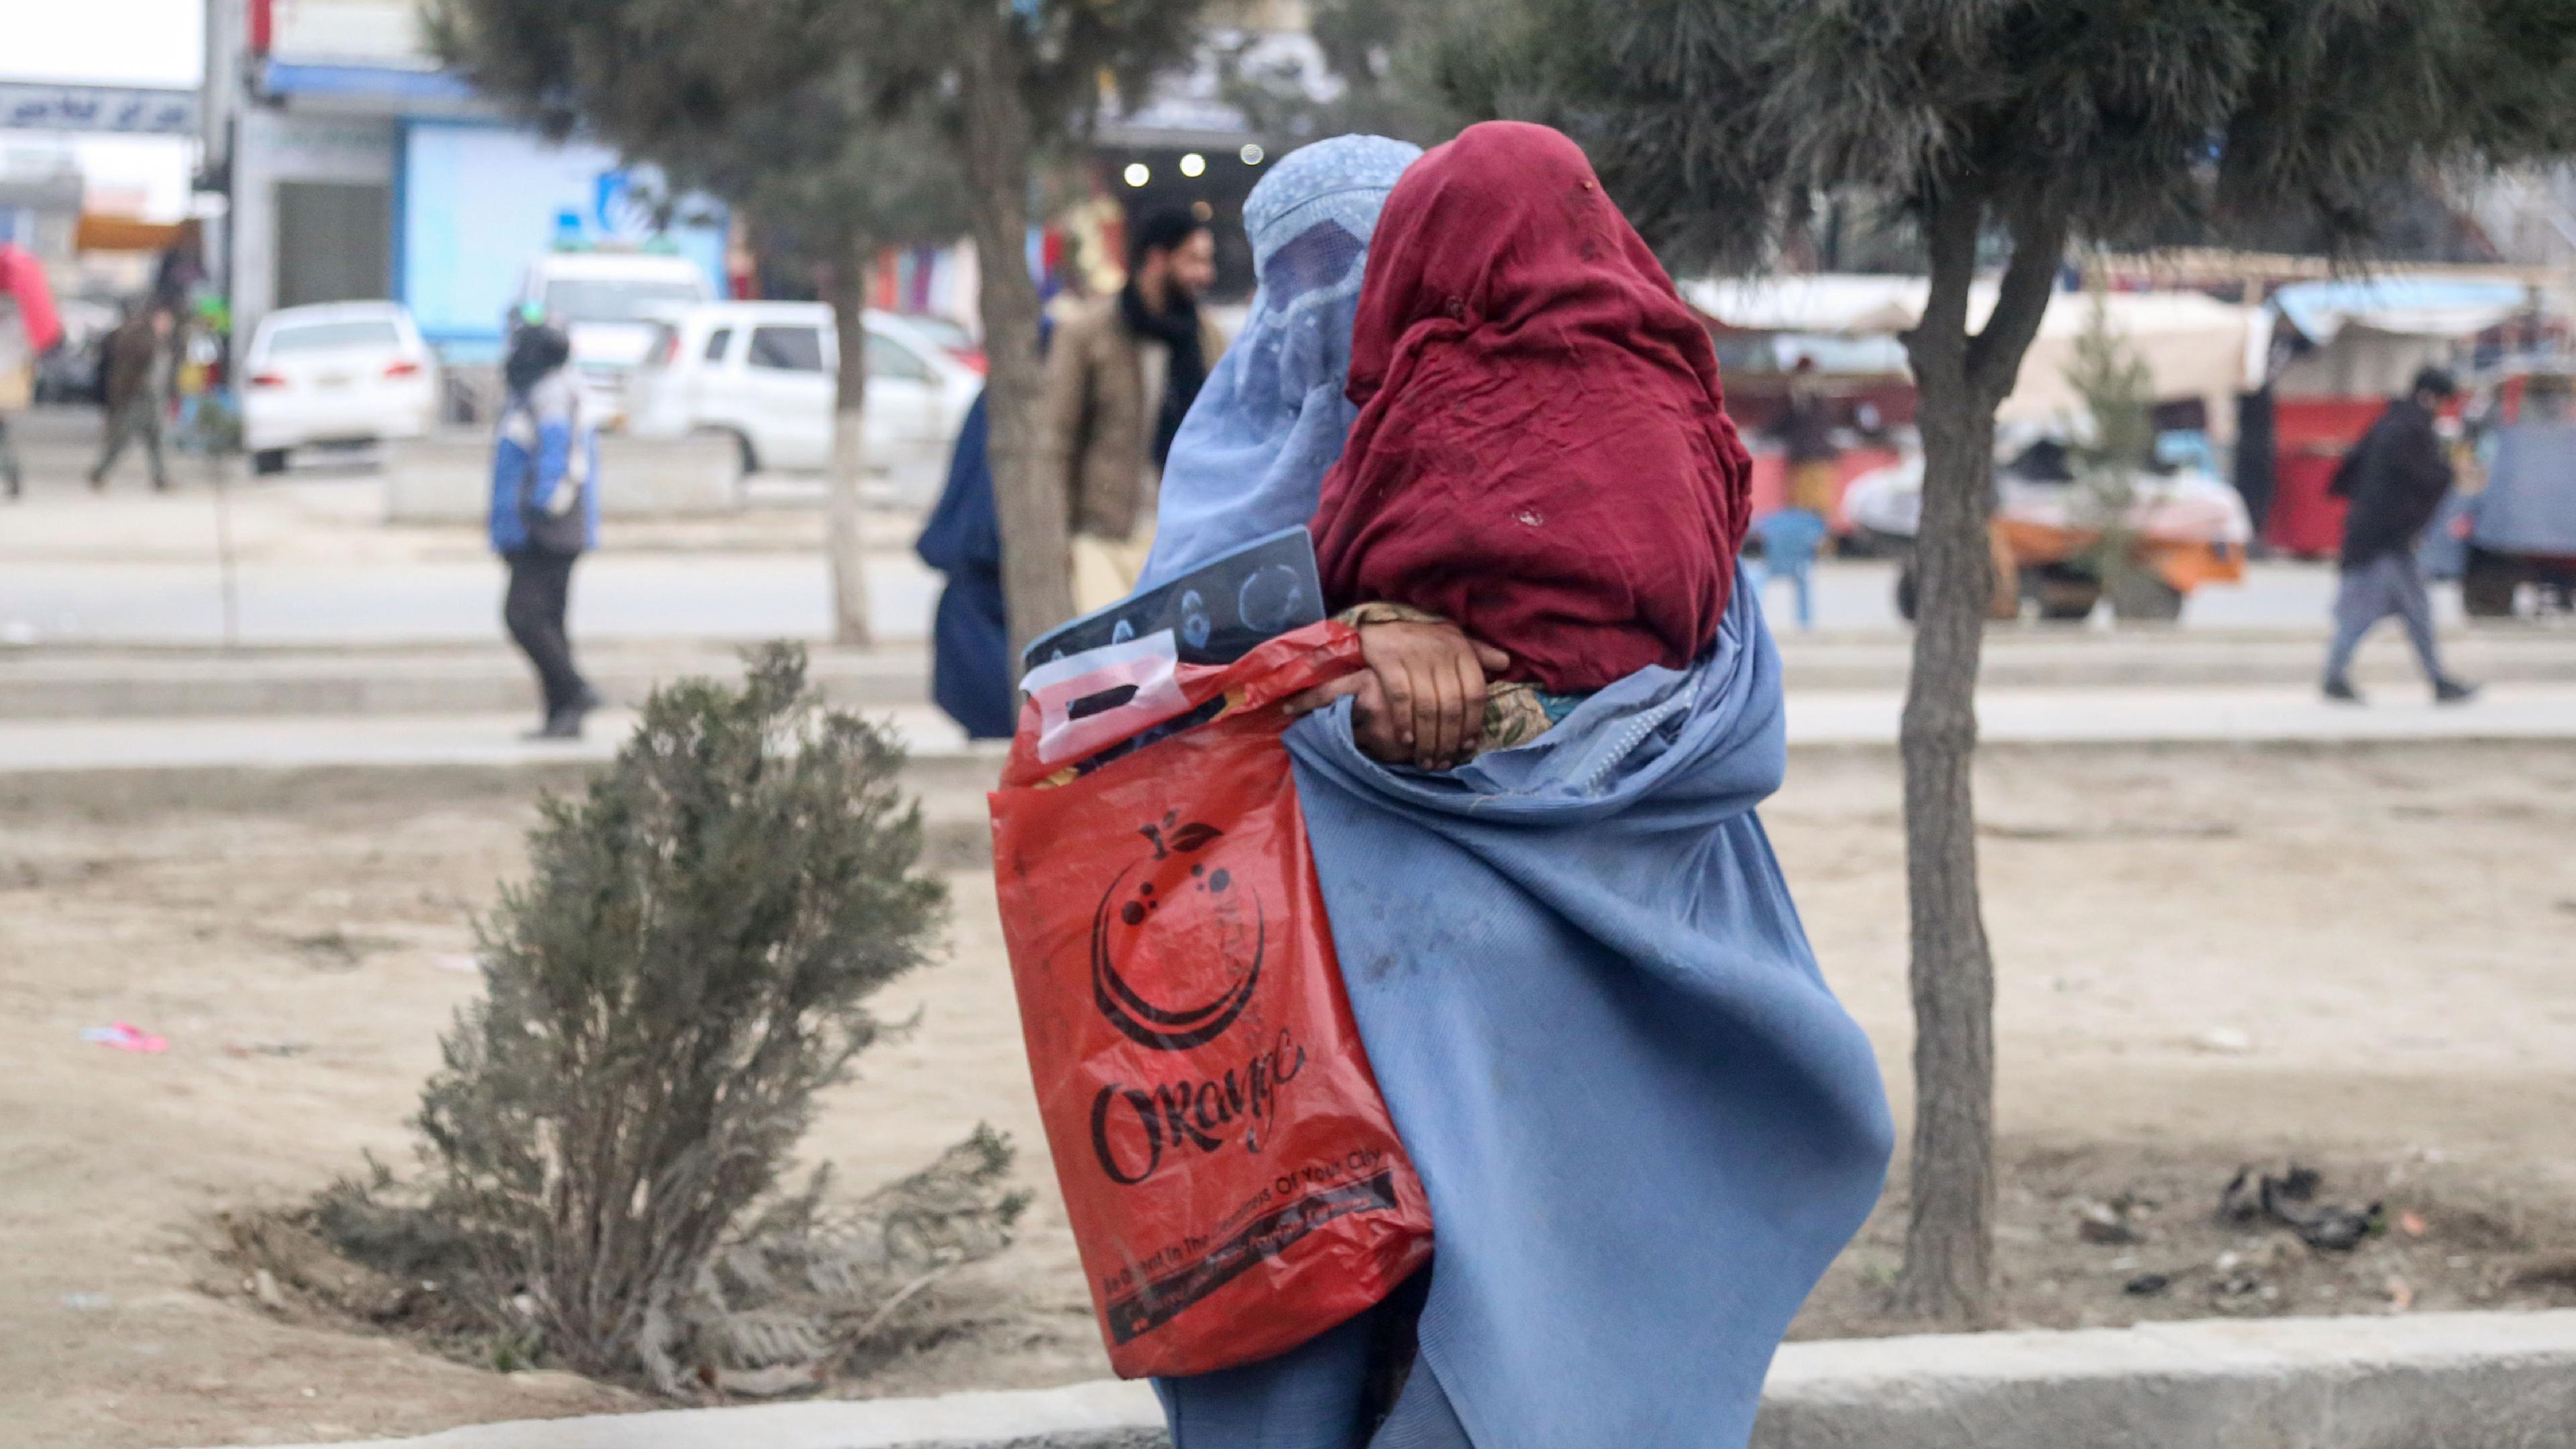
(2207, 957)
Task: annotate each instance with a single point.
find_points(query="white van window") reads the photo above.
(717, 342)
(790, 349)
(889, 358)
(598, 299)
(333, 336)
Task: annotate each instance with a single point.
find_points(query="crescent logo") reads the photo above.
(1165, 1029)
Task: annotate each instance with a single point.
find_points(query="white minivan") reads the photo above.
(607, 303)
(767, 372)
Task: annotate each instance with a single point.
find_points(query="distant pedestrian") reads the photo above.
(29, 326)
(1807, 437)
(545, 513)
(17, 385)
(970, 642)
(1122, 376)
(2395, 479)
(141, 361)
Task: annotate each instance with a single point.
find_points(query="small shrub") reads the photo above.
(688, 963)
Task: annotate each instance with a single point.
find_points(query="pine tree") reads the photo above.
(854, 124)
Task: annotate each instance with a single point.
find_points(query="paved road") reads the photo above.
(319, 566)
(1816, 717)
(711, 596)
(739, 596)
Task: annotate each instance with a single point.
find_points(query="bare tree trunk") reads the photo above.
(843, 539)
(1949, 1238)
(1037, 561)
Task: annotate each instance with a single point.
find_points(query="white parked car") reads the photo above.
(341, 373)
(767, 372)
(607, 304)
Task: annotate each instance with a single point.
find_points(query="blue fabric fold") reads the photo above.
(970, 641)
(1251, 457)
(1645, 1124)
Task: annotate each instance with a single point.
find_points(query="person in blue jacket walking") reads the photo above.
(545, 514)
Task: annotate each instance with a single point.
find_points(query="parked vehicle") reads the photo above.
(950, 334)
(609, 304)
(2519, 528)
(342, 373)
(2184, 528)
(70, 373)
(767, 372)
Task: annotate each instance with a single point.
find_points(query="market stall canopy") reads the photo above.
(2408, 306)
(104, 233)
(1827, 304)
(2194, 346)
(2368, 336)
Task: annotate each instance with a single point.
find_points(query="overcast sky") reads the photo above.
(126, 42)
(135, 42)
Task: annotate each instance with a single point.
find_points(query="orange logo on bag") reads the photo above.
(1205, 1114)
(1139, 1020)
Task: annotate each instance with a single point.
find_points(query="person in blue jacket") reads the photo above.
(545, 514)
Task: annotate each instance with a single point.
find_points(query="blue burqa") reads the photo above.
(1644, 1122)
(970, 642)
(1250, 458)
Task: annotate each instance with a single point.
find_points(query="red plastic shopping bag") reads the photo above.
(1234, 1181)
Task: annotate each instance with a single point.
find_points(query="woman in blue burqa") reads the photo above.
(1644, 1123)
(970, 637)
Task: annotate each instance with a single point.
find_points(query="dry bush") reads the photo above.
(686, 967)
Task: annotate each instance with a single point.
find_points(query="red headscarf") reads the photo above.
(23, 277)
(1542, 453)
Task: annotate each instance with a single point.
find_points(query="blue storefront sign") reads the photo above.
(477, 203)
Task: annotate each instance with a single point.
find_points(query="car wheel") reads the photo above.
(268, 461)
(2064, 595)
(2487, 585)
(750, 454)
(1905, 599)
(2142, 598)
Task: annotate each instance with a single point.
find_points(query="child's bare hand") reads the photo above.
(1421, 701)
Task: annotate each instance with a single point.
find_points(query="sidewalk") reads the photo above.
(484, 676)
(294, 742)
(2499, 1379)
(2275, 714)
(2259, 715)
(714, 596)
(490, 678)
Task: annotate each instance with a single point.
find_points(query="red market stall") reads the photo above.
(2338, 351)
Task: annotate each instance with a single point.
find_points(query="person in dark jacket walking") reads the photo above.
(140, 361)
(545, 513)
(2395, 479)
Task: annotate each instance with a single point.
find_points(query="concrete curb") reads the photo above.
(137, 684)
(2433, 1381)
(80, 683)
(1816, 719)
(2488, 1380)
(1086, 1416)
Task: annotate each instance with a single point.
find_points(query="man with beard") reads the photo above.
(1122, 375)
